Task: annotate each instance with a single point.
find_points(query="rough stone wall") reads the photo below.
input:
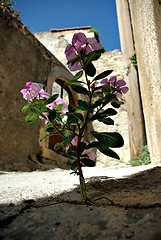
(113, 60)
(22, 58)
(146, 26)
(56, 42)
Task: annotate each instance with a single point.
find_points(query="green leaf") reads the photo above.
(108, 98)
(59, 145)
(25, 107)
(71, 155)
(107, 121)
(98, 94)
(44, 109)
(95, 89)
(59, 106)
(108, 112)
(44, 137)
(107, 89)
(103, 75)
(79, 116)
(74, 115)
(82, 146)
(92, 56)
(116, 103)
(97, 103)
(73, 82)
(82, 105)
(74, 165)
(78, 75)
(50, 129)
(31, 117)
(36, 110)
(79, 89)
(104, 149)
(69, 138)
(103, 114)
(90, 69)
(87, 162)
(110, 139)
(50, 100)
(52, 115)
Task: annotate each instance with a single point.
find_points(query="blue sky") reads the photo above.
(43, 15)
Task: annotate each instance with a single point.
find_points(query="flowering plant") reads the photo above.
(99, 93)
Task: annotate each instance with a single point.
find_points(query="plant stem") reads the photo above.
(81, 177)
(81, 131)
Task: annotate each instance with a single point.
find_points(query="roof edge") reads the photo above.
(69, 29)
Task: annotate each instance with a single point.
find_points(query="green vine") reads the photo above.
(7, 6)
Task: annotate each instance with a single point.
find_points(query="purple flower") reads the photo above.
(58, 101)
(79, 42)
(34, 90)
(115, 85)
(26, 94)
(42, 94)
(28, 85)
(120, 85)
(93, 45)
(103, 83)
(90, 153)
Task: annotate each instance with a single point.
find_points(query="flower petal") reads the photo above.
(124, 90)
(81, 37)
(35, 87)
(95, 46)
(118, 95)
(28, 85)
(75, 67)
(69, 49)
(121, 83)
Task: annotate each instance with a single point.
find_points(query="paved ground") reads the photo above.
(18, 186)
(135, 213)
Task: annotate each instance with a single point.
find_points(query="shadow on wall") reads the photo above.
(23, 58)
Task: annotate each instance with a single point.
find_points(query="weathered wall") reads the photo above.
(146, 26)
(136, 126)
(22, 58)
(56, 41)
(146, 21)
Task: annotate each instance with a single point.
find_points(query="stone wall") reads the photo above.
(22, 58)
(113, 60)
(56, 41)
